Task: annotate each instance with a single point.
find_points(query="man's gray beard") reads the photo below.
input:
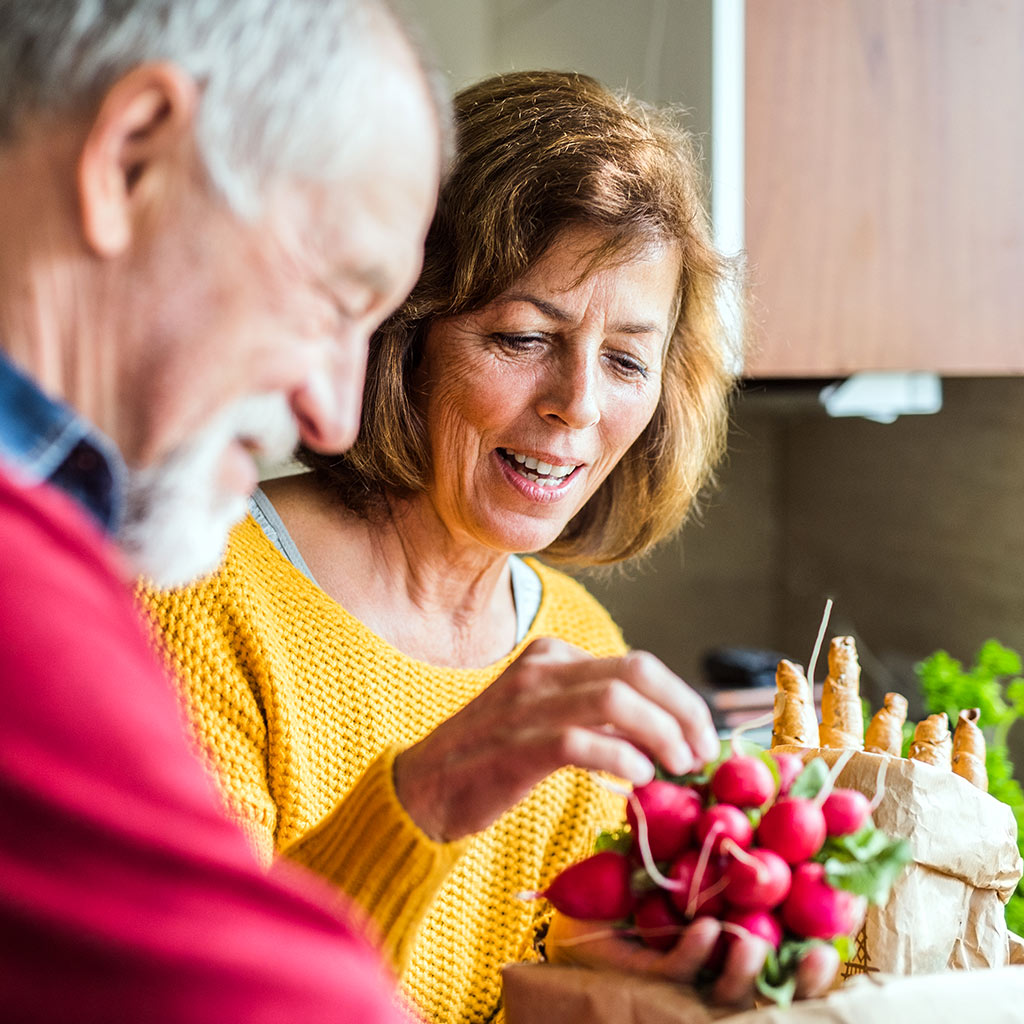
(176, 517)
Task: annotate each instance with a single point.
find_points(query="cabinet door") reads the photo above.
(885, 185)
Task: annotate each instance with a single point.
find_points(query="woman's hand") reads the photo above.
(593, 944)
(554, 706)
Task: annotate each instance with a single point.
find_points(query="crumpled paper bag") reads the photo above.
(946, 909)
(552, 994)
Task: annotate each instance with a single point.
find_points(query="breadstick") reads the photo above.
(885, 731)
(969, 749)
(932, 742)
(796, 721)
(842, 721)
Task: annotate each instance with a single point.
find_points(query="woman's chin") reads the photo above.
(525, 540)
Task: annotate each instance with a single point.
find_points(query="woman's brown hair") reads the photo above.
(539, 152)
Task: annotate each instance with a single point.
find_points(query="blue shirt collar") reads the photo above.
(46, 440)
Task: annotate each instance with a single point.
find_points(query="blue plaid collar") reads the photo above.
(46, 440)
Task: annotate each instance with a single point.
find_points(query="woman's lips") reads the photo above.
(535, 478)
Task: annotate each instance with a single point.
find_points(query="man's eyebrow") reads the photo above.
(549, 309)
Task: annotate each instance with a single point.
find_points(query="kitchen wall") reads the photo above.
(658, 49)
(915, 529)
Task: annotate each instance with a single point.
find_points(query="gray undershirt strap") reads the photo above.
(262, 510)
(526, 586)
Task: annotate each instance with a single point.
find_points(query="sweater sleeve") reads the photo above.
(372, 849)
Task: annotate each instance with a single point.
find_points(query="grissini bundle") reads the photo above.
(969, 749)
(885, 731)
(842, 720)
(795, 720)
(932, 742)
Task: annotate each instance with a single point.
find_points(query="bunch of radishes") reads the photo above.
(759, 841)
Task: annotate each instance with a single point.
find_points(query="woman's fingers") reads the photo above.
(652, 678)
(817, 971)
(685, 960)
(743, 962)
(554, 706)
(637, 695)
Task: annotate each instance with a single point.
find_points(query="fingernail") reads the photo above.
(682, 762)
(639, 770)
(710, 746)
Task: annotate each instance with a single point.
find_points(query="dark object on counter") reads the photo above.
(732, 667)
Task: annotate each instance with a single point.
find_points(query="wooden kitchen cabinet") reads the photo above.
(885, 186)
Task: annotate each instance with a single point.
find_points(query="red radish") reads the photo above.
(794, 828)
(759, 880)
(708, 890)
(815, 910)
(743, 781)
(845, 811)
(595, 889)
(758, 922)
(657, 922)
(790, 766)
(671, 813)
(726, 822)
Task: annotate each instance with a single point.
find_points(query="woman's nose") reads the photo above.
(571, 395)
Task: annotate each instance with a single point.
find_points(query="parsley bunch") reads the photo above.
(994, 685)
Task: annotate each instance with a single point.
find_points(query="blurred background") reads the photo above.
(867, 157)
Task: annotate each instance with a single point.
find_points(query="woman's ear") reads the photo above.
(141, 138)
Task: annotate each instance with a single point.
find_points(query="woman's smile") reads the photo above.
(536, 478)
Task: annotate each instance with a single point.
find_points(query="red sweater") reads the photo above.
(124, 895)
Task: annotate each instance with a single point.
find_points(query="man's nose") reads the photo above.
(327, 404)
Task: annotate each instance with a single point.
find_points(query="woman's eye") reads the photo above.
(515, 342)
(628, 365)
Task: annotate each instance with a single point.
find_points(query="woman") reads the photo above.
(556, 382)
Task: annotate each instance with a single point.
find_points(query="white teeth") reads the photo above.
(545, 473)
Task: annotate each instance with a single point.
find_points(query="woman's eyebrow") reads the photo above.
(549, 309)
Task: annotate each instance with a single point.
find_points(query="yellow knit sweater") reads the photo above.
(301, 710)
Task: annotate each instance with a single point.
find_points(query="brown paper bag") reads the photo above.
(946, 909)
(550, 994)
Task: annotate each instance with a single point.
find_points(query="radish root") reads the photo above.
(733, 848)
(817, 643)
(837, 768)
(644, 845)
(702, 866)
(879, 785)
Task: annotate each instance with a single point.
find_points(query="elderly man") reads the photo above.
(205, 209)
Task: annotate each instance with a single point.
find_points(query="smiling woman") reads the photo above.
(389, 694)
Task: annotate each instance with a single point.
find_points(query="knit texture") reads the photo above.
(300, 711)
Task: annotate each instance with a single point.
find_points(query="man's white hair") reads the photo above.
(283, 82)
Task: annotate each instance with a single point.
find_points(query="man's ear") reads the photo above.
(141, 134)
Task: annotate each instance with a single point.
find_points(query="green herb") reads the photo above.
(866, 863)
(777, 978)
(807, 785)
(994, 685)
(619, 840)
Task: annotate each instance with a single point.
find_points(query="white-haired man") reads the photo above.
(206, 206)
